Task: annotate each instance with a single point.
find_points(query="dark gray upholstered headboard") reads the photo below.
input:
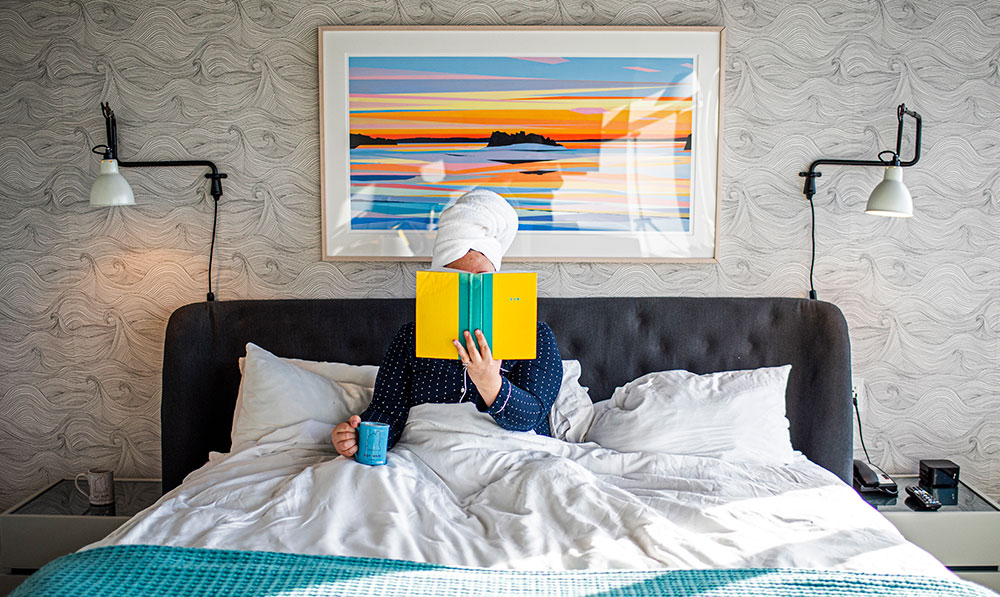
(615, 339)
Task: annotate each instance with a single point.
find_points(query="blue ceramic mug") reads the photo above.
(373, 440)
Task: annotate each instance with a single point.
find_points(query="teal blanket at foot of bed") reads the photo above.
(156, 570)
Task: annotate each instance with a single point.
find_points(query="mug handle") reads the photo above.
(76, 483)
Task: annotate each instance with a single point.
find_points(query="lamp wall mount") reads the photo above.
(109, 155)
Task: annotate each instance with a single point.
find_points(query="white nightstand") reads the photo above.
(964, 534)
(58, 520)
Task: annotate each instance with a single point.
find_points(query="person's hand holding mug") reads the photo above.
(345, 436)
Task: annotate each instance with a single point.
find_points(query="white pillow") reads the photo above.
(569, 419)
(573, 411)
(738, 416)
(277, 392)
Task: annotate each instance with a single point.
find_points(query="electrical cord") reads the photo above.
(211, 250)
(861, 434)
(812, 257)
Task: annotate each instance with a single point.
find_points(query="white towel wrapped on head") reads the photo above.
(479, 220)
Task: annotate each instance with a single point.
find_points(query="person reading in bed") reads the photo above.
(473, 234)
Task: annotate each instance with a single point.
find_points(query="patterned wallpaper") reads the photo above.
(85, 293)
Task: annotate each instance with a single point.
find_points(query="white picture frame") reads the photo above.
(409, 94)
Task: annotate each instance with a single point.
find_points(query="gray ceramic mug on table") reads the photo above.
(101, 486)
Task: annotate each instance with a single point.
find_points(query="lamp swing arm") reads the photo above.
(216, 177)
(110, 152)
(810, 185)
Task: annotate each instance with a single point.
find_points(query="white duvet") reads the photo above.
(459, 490)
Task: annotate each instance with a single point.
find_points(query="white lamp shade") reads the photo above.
(110, 188)
(891, 197)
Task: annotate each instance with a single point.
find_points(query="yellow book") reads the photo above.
(504, 305)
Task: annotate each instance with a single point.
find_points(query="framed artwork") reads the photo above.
(605, 140)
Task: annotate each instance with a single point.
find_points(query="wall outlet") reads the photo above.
(858, 391)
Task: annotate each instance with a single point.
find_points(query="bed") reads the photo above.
(463, 507)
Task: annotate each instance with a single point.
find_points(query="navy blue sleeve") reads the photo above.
(391, 400)
(529, 388)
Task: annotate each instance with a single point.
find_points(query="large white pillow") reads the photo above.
(737, 416)
(276, 392)
(272, 384)
(573, 411)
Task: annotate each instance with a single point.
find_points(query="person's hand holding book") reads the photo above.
(483, 370)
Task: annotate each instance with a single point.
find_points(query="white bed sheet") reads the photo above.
(458, 490)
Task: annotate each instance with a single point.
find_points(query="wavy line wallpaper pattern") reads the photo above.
(85, 293)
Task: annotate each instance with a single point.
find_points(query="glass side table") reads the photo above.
(958, 499)
(59, 520)
(963, 533)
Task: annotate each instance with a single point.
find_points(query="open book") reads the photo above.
(504, 305)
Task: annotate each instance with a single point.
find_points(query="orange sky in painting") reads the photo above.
(608, 114)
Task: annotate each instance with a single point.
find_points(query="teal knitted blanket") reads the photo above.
(156, 570)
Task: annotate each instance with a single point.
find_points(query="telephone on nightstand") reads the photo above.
(870, 478)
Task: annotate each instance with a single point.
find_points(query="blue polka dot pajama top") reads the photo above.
(527, 391)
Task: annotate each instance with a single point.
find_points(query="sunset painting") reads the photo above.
(596, 144)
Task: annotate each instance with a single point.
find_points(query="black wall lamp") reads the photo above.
(111, 188)
(889, 198)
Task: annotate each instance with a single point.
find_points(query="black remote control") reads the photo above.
(924, 499)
